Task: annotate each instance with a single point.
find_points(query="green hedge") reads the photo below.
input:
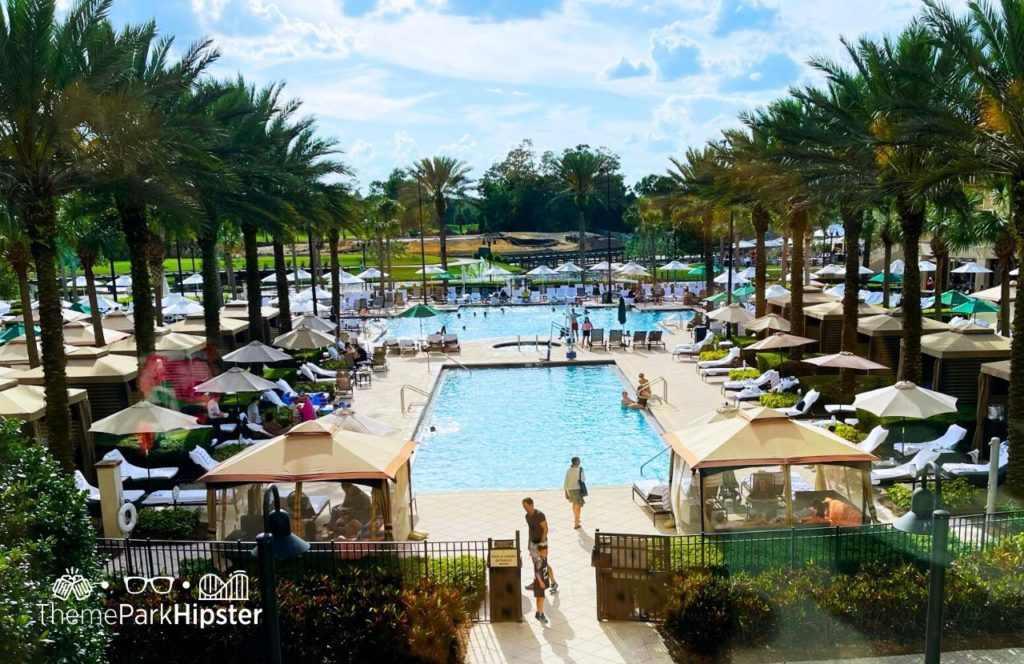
(779, 399)
(715, 354)
(167, 523)
(170, 449)
(743, 374)
(958, 496)
(831, 392)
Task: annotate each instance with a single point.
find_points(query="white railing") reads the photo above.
(407, 407)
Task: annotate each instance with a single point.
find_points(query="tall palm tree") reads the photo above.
(695, 195)
(578, 170)
(444, 180)
(15, 250)
(90, 226)
(50, 88)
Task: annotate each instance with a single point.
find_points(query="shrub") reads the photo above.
(707, 355)
(310, 387)
(700, 613)
(831, 391)
(167, 523)
(743, 374)
(224, 452)
(766, 361)
(288, 374)
(900, 495)
(170, 447)
(958, 495)
(779, 399)
(849, 433)
(743, 341)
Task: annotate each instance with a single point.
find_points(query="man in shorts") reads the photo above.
(538, 529)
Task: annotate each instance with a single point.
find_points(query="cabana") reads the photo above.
(170, 344)
(990, 395)
(745, 472)
(781, 304)
(108, 379)
(121, 321)
(82, 333)
(878, 337)
(310, 461)
(231, 329)
(824, 322)
(239, 309)
(957, 358)
(27, 404)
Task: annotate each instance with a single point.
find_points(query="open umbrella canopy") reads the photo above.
(235, 381)
(905, 399)
(737, 278)
(123, 281)
(830, 271)
(312, 322)
(144, 417)
(28, 402)
(81, 333)
(734, 313)
(346, 278)
(419, 311)
(193, 280)
(183, 307)
(674, 266)
(303, 338)
(974, 306)
(880, 278)
(780, 340)
(633, 270)
(301, 306)
(845, 360)
(496, 271)
(770, 322)
(699, 271)
(749, 273)
(568, 268)
(952, 298)
(545, 271)
(926, 266)
(371, 273)
(307, 294)
(15, 331)
(349, 420)
(80, 308)
(300, 275)
(775, 290)
(744, 291)
(971, 268)
(255, 352)
(431, 269)
(716, 298)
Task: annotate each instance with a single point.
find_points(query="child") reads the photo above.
(540, 581)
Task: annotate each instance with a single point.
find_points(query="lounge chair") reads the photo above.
(137, 473)
(434, 343)
(408, 346)
(976, 470)
(639, 337)
(748, 393)
(167, 497)
(82, 484)
(615, 339)
(308, 374)
(597, 338)
(874, 440)
(320, 371)
(802, 407)
(343, 386)
(731, 357)
(271, 396)
(654, 497)
(332, 350)
(954, 434)
(769, 378)
(202, 458)
(692, 349)
(906, 472)
(285, 387)
(654, 339)
(450, 343)
(379, 361)
(392, 346)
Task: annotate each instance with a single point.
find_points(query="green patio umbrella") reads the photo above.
(80, 308)
(952, 298)
(974, 306)
(442, 275)
(716, 298)
(622, 311)
(743, 291)
(880, 278)
(420, 311)
(15, 331)
(699, 271)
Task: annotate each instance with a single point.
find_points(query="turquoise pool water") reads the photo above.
(518, 429)
(490, 322)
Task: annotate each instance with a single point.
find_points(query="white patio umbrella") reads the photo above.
(733, 313)
(749, 273)
(971, 268)
(144, 417)
(255, 352)
(182, 307)
(1015, 272)
(370, 273)
(300, 275)
(307, 294)
(303, 338)
(633, 270)
(674, 265)
(312, 322)
(301, 306)
(345, 278)
(174, 298)
(568, 268)
(123, 281)
(906, 400)
(775, 290)
(430, 269)
(830, 271)
(737, 278)
(233, 381)
(926, 266)
(79, 282)
(272, 279)
(70, 316)
(542, 271)
(603, 266)
(864, 270)
(104, 304)
(497, 271)
(193, 280)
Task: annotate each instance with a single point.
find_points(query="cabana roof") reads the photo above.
(82, 333)
(966, 341)
(90, 365)
(761, 437)
(196, 325)
(835, 310)
(28, 402)
(240, 309)
(119, 320)
(313, 452)
(811, 297)
(166, 342)
(891, 324)
(997, 369)
(995, 294)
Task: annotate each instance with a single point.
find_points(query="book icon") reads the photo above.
(235, 588)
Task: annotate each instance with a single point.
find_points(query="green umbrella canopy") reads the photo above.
(442, 276)
(743, 290)
(975, 306)
(15, 331)
(952, 298)
(622, 311)
(80, 308)
(419, 311)
(880, 278)
(699, 271)
(716, 298)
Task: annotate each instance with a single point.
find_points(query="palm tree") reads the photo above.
(889, 233)
(695, 195)
(578, 170)
(15, 250)
(89, 225)
(49, 90)
(381, 224)
(444, 180)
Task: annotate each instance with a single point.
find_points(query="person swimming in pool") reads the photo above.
(629, 403)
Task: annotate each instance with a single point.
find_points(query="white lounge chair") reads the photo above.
(308, 374)
(202, 458)
(167, 497)
(407, 346)
(906, 472)
(82, 484)
(285, 387)
(320, 371)
(748, 393)
(802, 407)
(137, 473)
(874, 440)
(271, 396)
(977, 470)
(768, 378)
(954, 434)
(692, 349)
(732, 356)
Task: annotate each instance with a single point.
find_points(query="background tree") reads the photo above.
(444, 179)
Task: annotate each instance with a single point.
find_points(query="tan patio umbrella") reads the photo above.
(845, 360)
(905, 399)
(733, 313)
(778, 341)
(234, 381)
(349, 420)
(312, 322)
(303, 338)
(144, 417)
(81, 333)
(773, 322)
(255, 352)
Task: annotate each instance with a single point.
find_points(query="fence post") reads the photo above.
(835, 554)
(128, 555)
(149, 555)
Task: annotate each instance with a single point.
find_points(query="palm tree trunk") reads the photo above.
(912, 224)
(1015, 400)
(229, 273)
(155, 258)
(1005, 249)
(887, 258)
(332, 239)
(284, 317)
(442, 233)
(136, 233)
(94, 307)
(581, 219)
(212, 295)
(867, 250)
(941, 252)
(252, 282)
(760, 219)
(798, 225)
(853, 221)
(784, 261)
(709, 258)
(41, 225)
(21, 270)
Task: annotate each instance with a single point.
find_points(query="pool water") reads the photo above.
(518, 429)
(526, 321)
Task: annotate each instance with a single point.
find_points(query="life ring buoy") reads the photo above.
(127, 518)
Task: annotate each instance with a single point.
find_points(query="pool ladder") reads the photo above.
(644, 465)
(664, 388)
(407, 407)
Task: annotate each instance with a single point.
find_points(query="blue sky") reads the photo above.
(395, 80)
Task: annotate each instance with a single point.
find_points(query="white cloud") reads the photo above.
(462, 148)
(361, 151)
(404, 148)
(209, 10)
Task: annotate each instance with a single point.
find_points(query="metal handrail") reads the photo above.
(664, 384)
(405, 410)
(448, 357)
(644, 464)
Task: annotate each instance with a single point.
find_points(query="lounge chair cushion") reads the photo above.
(132, 472)
(166, 497)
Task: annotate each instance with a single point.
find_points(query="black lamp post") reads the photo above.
(423, 249)
(607, 299)
(276, 542)
(181, 281)
(927, 518)
(312, 270)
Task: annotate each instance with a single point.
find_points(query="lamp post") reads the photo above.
(181, 283)
(276, 542)
(927, 518)
(423, 250)
(312, 270)
(607, 299)
(732, 244)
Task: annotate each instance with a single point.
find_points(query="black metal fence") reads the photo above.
(632, 570)
(462, 564)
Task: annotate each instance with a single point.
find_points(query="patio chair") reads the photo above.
(333, 352)
(803, 407)
(693, 349)
(874, 440)
(308, 374)
(654, 498)
(764, 493)
(202, 458)
(379, 361)
(166, 497)
(947, 441)
(137, 473)
(655, 339)
(285, 387)
(273, 399)
(320, 371)
(615, 339)
(978, 470)
(639, 337)
(343, 386)
(769, 378)
(730, 358)
(597, 338)
(407, 346)
(450, 343)
(392, 346)
(434, 343)
(906, 472)
(378, 303)
(82, 484)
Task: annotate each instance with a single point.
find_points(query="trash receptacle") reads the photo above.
(699, 332)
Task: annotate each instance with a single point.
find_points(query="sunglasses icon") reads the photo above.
(136, 585)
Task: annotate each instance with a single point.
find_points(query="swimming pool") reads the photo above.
(518, 429)
(490, 322)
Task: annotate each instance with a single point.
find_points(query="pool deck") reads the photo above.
(574, 633)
